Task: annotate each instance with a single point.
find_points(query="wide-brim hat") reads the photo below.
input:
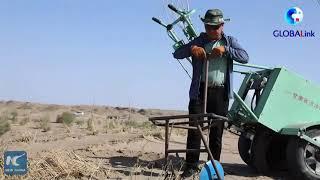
(214, 17)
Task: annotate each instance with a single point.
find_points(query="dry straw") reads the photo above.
(58, 165)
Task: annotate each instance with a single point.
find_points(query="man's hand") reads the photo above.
(198, 52)
(217, 52)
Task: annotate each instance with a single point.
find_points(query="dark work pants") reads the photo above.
(217, 102)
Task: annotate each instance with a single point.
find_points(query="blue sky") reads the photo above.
(108, 52)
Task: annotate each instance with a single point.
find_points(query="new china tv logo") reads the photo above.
(15, 163)
(293, 17)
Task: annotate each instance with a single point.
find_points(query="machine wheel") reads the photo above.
(269, 151)
(244, 148)
(303, 157)
(276, 154)
(260, 147)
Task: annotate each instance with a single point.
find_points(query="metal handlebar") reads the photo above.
(173, 8)
(159, 22)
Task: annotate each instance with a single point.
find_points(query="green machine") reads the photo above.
(276, 114)
(280, 125)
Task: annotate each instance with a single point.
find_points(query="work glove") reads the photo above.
(217, 52)
(198, 52)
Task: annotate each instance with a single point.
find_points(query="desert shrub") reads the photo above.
(66, 118)
(4, 125)
(13, 116)
(90, 125)
(110, 125)
(45, 123)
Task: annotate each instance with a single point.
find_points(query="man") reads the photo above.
(220, 50)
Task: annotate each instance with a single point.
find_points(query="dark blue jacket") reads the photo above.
(234, 52)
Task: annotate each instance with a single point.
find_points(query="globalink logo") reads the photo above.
(293, 17)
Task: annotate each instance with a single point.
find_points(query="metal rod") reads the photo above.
(177, 21)
(188, 127)
(185, 127)
(209, 152)
(190, 25)
(251, 65)
(242, 72)
(173, 35)
(166, 146)
(202, 121)
(204, 111)
(310, 140)
(205, 91)
(184, 16)
(187, 116)
(175, 38)
(189, 59)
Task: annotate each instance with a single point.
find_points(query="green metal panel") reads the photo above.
(236, 104)
(267, 91)
(238, 112)
(288, 100)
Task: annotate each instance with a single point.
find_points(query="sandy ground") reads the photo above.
(113, 149)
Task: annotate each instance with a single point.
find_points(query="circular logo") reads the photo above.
(294, 15)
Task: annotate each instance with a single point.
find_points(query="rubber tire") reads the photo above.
(295, 157)
(277, 152)
(260, 147)
(244, 145)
